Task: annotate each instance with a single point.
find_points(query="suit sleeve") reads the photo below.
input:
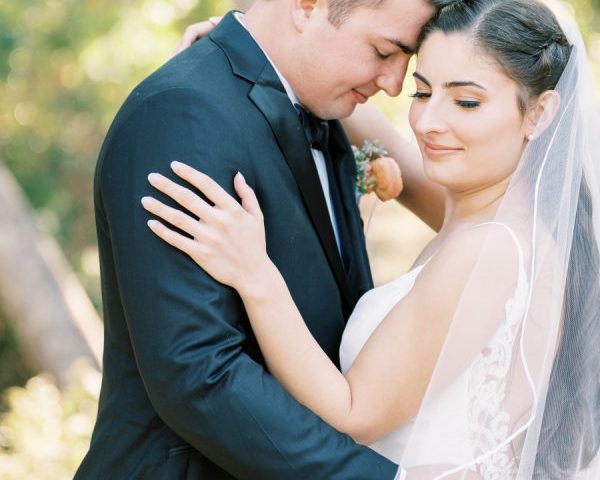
(184, 326)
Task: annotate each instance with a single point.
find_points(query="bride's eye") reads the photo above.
(420, 95)
(467, 103)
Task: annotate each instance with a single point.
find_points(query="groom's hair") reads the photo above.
(340, 10)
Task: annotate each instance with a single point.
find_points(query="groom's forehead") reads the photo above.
(398, 14)
(399, 21)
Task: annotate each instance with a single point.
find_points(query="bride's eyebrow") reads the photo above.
(457, 84)
(418, 76)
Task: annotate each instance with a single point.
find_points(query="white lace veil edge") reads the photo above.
(523, 349)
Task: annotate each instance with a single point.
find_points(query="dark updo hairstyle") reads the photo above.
(526, 40)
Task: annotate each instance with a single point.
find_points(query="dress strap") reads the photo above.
(513, 236)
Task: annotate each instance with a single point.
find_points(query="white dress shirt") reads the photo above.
(321, 169)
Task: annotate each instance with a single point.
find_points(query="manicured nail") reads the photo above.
(153, 177)
(152, 223)
(176, 166)
(239, 174)
(145, 201)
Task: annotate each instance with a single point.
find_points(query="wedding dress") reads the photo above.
(475, 393)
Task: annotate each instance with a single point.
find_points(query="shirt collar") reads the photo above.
(288, 88)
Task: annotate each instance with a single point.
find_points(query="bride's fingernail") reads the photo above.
(176, 166)
(239, 174)
(153, 177)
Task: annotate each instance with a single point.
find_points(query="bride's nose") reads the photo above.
(428, 117)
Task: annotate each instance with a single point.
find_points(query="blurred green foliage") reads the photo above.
(65, 67)
(46, 432)
(13, 370)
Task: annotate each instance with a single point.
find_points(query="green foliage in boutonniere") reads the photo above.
(371, 150)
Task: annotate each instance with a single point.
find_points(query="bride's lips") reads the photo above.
(436, 150)
(359, 97)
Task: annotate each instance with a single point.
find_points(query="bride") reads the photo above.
(482, 361)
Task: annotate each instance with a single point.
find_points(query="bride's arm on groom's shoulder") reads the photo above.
(420, 195)
(385, 386)
(195, 32)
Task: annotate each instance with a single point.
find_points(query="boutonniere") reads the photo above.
(365, 180)
(376, 172)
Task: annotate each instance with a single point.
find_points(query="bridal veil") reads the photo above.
(526, 334)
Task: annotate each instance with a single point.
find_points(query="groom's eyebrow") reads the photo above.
(401, 45)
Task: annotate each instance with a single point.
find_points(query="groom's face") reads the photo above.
(336, 67)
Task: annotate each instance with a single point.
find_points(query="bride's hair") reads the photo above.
(526, 40)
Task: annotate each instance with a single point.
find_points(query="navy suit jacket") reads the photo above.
(185, 394)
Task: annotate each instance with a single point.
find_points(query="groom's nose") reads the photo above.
(391, 76)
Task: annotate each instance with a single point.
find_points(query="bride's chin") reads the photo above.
(438, 174)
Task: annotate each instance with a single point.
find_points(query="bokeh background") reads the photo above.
(65, 67)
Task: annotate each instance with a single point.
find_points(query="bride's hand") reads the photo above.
(227, 240)
(195, 32)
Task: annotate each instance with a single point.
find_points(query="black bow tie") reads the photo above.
(315, 129)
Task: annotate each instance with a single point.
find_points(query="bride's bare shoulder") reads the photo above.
(490, 252)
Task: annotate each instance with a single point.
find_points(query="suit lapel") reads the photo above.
(359, 271)
(269, 96)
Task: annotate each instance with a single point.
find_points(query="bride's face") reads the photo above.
(465, 115)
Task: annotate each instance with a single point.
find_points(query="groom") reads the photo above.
(185, 393)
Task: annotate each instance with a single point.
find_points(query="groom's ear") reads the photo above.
(542, 113)
(303, 10)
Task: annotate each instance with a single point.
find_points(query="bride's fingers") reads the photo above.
(247, 195)
(181, 242)
(175, 217)
(211, 189)
(182, 195)
(195, 32)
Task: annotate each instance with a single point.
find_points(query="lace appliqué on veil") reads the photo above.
(489, 422)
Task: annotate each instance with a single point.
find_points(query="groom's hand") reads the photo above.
(195, 32)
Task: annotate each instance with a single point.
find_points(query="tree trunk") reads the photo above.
(39, 294)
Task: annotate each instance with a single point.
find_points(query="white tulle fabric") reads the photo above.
(514, 393)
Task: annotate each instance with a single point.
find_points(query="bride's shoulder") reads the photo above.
(492, 251)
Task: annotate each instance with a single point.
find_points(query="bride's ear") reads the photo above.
(541, 113)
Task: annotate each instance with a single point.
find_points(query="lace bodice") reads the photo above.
(459, 425)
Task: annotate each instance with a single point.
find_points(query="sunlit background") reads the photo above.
(65, 67)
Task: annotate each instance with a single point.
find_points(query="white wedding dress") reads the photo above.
(453, 415)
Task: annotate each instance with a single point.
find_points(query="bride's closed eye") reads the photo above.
(420, 95)
(467, 103)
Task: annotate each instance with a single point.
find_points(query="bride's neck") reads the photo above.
(474, 205)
